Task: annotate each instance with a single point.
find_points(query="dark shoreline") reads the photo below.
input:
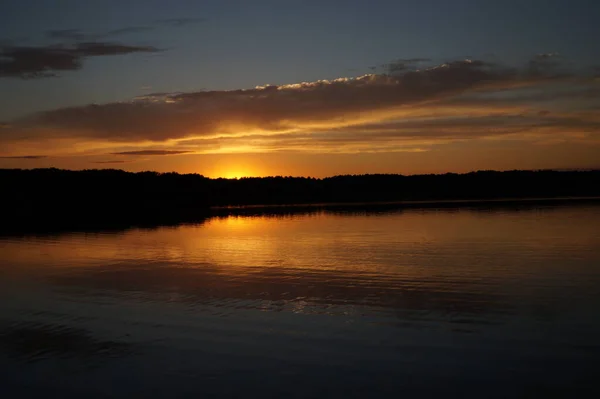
(418, 203)
(399, 206)
(53, 226)
(45, 200)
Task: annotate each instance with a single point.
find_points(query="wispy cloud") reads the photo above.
(129, 30)
(79, 35)
(67, 34)
(401, 65)
(25, 157)
(151, 152)
(70, 47)
(46, 61)
(179, 22)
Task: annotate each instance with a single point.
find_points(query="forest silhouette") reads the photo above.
(55, 199)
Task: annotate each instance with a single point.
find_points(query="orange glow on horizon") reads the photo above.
(235, 170)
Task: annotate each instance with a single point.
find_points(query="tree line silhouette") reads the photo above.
(89, 197)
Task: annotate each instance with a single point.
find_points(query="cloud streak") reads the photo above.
(46, 61)
(179, 22)
(25, 157)
(74, 45)
(151, 152)
(77, 35)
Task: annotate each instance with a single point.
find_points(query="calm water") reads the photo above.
(468, 302)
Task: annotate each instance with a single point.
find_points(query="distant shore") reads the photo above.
(417, 204)
(20, 227)
(54, 199)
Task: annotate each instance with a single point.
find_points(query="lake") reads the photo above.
(466, 302)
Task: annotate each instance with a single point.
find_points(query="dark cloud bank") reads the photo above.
(278, 108)
(460, 100)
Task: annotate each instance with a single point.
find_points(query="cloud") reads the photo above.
(402, 110)
(67, 34)
(45, 61)
(408, 135)
(78, 35)
(151, 152)
(36, 62)
(129, 30)
(94, 49)
(401, 65)
(546, 63)
(72, 47)
(25, 157)
(308, 105)
(179, 22)
(109, 162)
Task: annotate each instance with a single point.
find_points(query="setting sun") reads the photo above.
(236, 168)
(234, 175)
(236, 172)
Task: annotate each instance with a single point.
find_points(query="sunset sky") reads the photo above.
(305, 88)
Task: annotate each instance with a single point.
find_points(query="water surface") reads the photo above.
(483, 302)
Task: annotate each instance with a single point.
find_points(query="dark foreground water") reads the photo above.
(415, 303)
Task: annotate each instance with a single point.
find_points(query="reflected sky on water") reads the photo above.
(486, 301)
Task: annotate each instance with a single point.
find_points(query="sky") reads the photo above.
(230, 88)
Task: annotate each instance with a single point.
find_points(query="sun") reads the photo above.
(236, 171)
(236, 167)
(234, 174)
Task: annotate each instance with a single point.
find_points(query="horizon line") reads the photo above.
(560, 170)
